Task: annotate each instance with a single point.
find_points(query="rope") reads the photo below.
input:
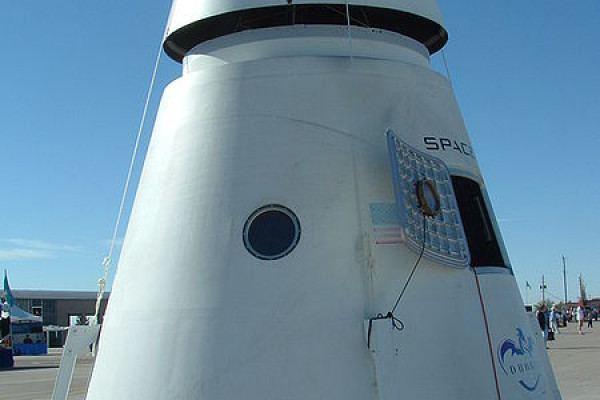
(107, 260)
(555, 297)
(447, 69)
(349, 31)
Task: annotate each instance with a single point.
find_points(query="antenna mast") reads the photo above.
(543, 287)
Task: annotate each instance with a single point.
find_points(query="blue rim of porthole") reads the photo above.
(271, 232)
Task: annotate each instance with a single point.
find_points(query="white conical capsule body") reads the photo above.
(275, 218)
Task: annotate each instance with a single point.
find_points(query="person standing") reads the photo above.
(580, 317)
(541, 317)
(554, 320)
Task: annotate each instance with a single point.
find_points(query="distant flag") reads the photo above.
(7, 293)
(527, 285)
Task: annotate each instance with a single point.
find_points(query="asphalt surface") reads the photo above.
(575, 359)
(576, 362)
(33, 377)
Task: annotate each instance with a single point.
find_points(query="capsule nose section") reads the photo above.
(192, 22)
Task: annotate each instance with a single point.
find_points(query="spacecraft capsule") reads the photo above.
(311, 221)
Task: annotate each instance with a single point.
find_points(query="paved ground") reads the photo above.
(33, 377)
(576, 362)
(575, 359)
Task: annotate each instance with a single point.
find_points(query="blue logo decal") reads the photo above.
(516, 360)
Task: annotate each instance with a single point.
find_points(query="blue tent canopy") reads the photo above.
(17, 314)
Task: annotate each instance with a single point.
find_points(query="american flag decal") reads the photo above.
(386, 225)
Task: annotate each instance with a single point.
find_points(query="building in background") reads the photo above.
(60, 308)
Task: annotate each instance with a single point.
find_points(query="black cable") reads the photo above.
(414, 268)
(397, 323)
(553, 295)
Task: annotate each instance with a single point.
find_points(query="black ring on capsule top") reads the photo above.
(427, 32)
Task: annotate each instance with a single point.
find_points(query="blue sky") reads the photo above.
(75, 74)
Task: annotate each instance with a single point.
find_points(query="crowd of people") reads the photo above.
(551, 321)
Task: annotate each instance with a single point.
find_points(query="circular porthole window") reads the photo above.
(271, 232)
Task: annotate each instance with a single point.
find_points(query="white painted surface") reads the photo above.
(306, 132)
(500, 294)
